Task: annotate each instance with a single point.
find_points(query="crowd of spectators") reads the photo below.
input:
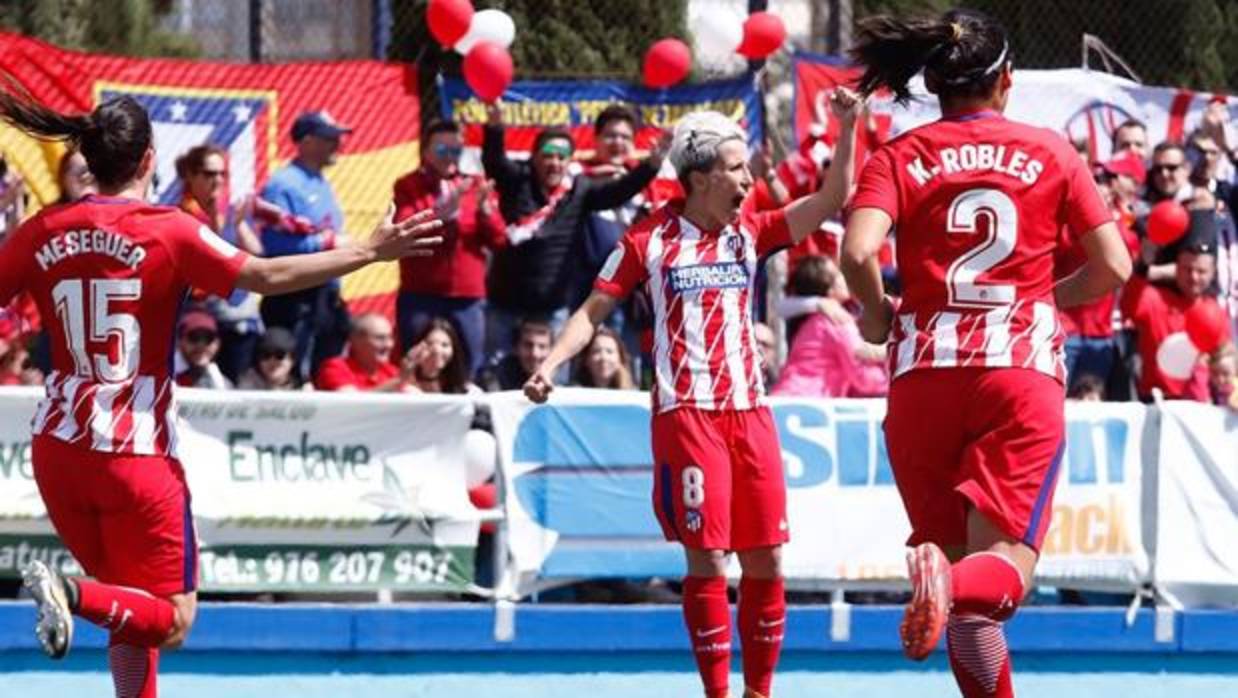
(525, 237)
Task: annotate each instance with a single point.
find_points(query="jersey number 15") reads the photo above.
(70, 299)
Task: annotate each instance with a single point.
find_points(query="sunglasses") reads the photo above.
(200, 337)
(279, 355)
(443, 150)
(1167, 167)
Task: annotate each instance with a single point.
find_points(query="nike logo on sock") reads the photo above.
(762, 623)
(711, 631)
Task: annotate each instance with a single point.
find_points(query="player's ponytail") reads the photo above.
(961, 53)
(113, 138)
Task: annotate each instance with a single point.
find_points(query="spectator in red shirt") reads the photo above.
(1157, 312)
(451, 283)
(16, 368)
(366, 363)
(1091, 347)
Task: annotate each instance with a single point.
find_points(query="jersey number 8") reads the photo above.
(693, 486)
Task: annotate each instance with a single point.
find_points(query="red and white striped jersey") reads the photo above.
(700, 281)
(108, 277)
(978, 204)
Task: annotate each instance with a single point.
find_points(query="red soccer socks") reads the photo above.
(134, 670)
(134, 617)
(762, 626)
(707, 614)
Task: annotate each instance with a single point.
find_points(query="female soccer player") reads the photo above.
(975, 416)
(718, 483)
(108, 274)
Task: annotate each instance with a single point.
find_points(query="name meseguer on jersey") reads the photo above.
(982, 156)
(74, 242)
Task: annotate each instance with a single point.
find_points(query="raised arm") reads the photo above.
(494, 158)
(410, 237)
(613, 193)
(807, 214)
(575, 336)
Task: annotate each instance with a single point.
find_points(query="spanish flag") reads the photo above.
(246, 109)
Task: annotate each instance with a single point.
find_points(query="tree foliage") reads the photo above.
(556, 38)
(1192, 43)
(125, 27)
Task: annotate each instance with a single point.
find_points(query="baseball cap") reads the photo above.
(317, 123)
(197, 320)
(1128, 164)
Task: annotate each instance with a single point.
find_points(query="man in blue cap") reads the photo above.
(299, 214)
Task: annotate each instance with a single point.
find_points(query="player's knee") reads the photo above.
(707, 563)
(185, 611)
(761, 563)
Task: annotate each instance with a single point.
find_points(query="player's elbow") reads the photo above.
(262, 275)
(852, 258)
(1115, 268)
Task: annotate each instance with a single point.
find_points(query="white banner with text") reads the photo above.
(293, 491)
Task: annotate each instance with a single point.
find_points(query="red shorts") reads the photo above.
(986, 438)
(718, 480)
(125, 518)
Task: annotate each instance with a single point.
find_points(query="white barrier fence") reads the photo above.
(345, 492)
(578, 477)
(293, 491)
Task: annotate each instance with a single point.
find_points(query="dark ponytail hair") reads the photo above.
(113, 138)
(962, 53)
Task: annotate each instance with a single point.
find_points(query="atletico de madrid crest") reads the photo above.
(693, 520)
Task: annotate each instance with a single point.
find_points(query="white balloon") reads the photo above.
(1176, 356)
(488, 25)
(479, 455)
(718, 33)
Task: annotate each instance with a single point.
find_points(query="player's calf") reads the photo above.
(978, 656)
(707, 613)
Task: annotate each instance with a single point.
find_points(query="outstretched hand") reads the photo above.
(539, 386)
(412, 237)
(875, 322)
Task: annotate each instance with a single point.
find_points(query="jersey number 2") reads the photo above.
(997, 245)
(70, 299)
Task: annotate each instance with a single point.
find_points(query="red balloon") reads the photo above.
(449, 20)
(1207, 326)
(488, 70)
(764, 33)
(667, 62)
(1167, 221)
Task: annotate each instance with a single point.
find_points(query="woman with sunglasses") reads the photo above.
(203, 171)
(452, 283)
(274, 366)
(108, 274)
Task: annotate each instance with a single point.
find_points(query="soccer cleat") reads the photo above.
(749, 693)
(929, 609)
(54, 627)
